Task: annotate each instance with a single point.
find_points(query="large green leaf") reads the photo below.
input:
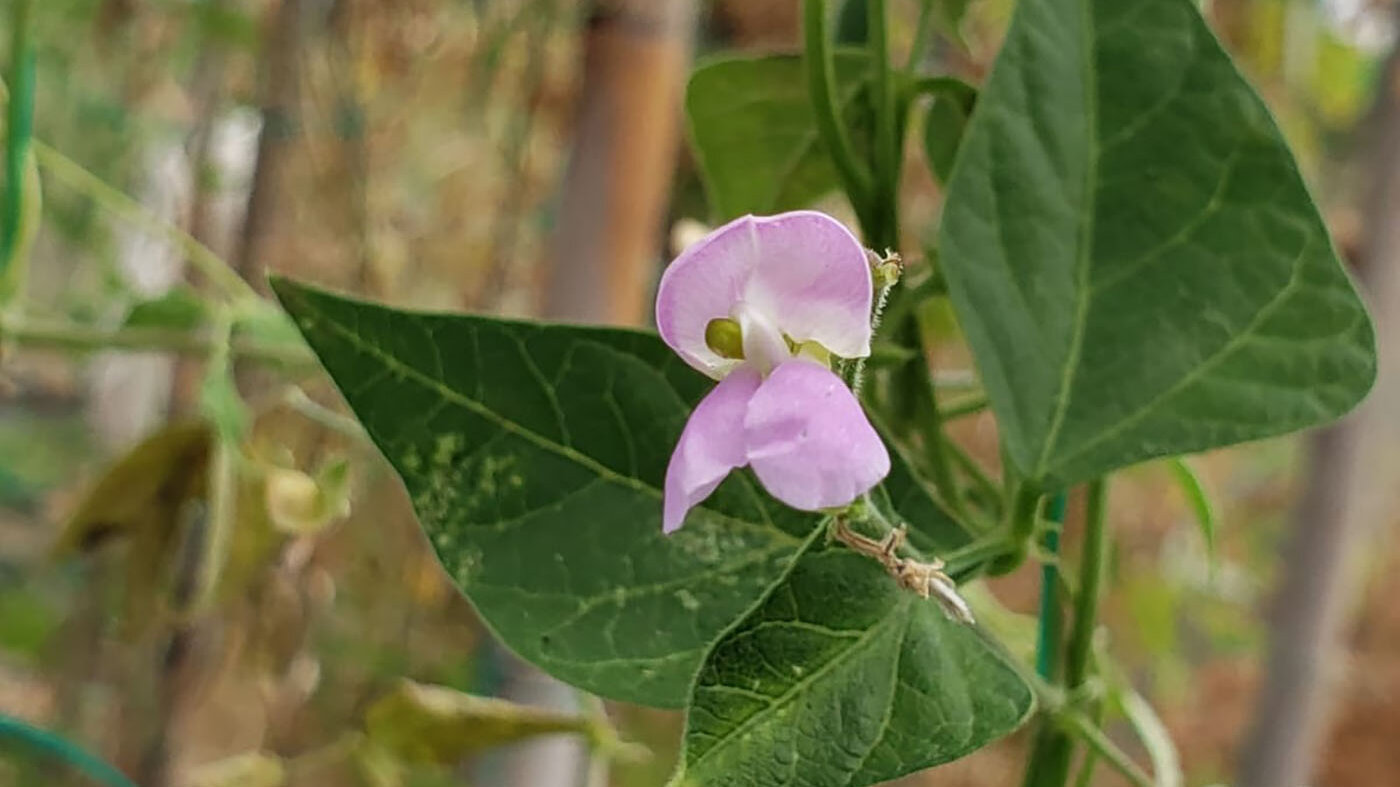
(840, 678)
(1132, 252)
(534, 456)
(754, 135)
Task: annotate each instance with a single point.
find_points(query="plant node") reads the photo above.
(927, 580)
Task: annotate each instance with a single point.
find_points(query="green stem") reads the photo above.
(1166, 761)
(223, 478)
(948, 87)
(1093, 559)
(920, 42)
(971, 406)
(955, 380)
(1048, 627)
(209, 264)
(1024, 512)
(936, 442)
(821, 82)
(885, 209)
(84, 339)
(974, 471)
(1084, 728)
(965, 563)
(1091, 757)
(1053, 748)
(18, 128)
(296, 399)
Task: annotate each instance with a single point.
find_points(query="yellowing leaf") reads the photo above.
(250, 769)
(142, 498)
(433, 724)
(139, 494)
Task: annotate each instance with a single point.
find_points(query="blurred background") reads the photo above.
(528, 157)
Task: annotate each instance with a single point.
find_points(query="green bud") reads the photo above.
(725, 337)
(885, 270)
(886, 274)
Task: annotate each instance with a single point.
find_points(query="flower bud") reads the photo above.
(885, 270)
(301, 505)
(293, 501)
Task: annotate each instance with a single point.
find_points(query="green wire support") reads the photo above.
(61, 748)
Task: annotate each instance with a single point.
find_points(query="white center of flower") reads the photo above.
(764, 345)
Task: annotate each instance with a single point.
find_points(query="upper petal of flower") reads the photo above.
(813, 280)
(711, 445)
(704, 283)
(808, 440)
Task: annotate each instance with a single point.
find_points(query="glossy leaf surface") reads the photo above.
(1132, 252)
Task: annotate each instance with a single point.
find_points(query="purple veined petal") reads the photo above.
(813, 281)
(705, 282)
(808, 440)
(711, 445)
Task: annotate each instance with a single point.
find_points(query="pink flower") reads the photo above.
(761, 304)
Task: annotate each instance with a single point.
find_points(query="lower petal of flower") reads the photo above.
(808, 440)
(711, 445)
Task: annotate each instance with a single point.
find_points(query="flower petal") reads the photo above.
(813, 281)
(705, 282)
(808, 440)
(764, 345)
(711, 445)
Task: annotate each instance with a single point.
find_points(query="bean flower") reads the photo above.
(764, 305)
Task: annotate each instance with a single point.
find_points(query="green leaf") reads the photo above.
(1132, 252)
(841, 678)
(179, 308)
(755, 139)
(1199, 500)
(535, 455)
(145, 498)
(945, 122)
(420, 723)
